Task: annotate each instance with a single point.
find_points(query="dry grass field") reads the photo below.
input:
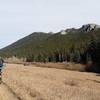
(36, 83)
(63, 65)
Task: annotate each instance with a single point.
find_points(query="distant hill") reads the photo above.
(24, 45)
(74, 45)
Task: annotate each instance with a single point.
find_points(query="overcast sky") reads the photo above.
(19, 18)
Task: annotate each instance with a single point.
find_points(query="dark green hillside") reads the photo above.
(25, 46)
(78, 45)
(71, 43)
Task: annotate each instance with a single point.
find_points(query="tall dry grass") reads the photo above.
(35, 83)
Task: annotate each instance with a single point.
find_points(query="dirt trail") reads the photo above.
(6, 93)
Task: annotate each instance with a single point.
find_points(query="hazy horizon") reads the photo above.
(20, 18)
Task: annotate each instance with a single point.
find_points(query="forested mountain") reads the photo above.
(24, 46)
(75, 45)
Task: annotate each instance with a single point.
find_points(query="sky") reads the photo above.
(19, 18)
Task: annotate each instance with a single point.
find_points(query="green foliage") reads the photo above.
(42, 47)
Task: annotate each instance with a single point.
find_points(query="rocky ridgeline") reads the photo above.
(89, 27)
(84, 28)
